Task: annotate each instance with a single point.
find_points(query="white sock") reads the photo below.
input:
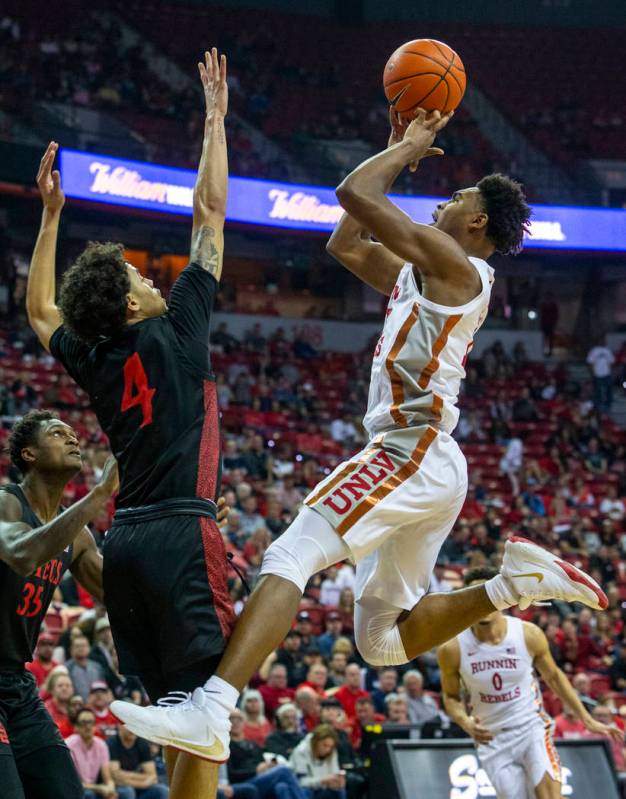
(500, 592)
(222, 692)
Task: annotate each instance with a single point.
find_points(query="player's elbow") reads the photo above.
(347, 195)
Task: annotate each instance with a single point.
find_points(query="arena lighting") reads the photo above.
(136, 184)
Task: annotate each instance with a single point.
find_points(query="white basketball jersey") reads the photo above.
(500, 679)
(419, 360)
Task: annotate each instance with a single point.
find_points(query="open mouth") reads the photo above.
(75, 452)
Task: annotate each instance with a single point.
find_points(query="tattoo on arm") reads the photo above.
(204, 251)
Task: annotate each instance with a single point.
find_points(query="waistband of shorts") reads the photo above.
(184, 506)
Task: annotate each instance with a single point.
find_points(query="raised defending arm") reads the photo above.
(43, 314)
(211, 189)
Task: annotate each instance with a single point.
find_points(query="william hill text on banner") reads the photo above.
(137, 184)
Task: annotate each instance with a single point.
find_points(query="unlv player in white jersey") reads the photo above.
(493, 663)
(391, 506)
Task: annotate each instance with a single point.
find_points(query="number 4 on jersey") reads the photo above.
(135, 378)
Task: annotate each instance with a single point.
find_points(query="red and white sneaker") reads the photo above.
(535, 574)
(190, 722)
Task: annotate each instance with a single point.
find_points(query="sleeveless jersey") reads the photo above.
(24, 601)
(419, 360)
(500, 679)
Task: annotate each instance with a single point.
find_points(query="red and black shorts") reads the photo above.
(166, 592)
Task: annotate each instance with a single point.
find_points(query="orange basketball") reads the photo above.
(425, 74)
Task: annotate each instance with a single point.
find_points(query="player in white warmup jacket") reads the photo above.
(391, 506)
(491, 666)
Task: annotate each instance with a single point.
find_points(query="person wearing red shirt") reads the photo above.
(275, 691)
(316, 678)
(61, 690)
(351, 690)
(308, 701)
(367, 718)
(99, 700)
(42, 664)
(567, 725)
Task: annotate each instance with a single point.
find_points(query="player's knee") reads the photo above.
(284, 562)
(380, 643)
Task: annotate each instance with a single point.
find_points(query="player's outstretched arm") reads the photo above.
(25, 548)
(556, 680)
(43, 314)
(363, 195)
(211, 189)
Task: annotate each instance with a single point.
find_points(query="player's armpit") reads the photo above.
(86, 564)
(207, 249)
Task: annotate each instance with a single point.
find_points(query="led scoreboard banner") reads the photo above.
(136, 184)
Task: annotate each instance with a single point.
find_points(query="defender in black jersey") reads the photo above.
(38, 543)
(146, 369)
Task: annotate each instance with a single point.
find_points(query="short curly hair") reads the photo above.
(24, 434)
(93, 292)
(509, 214)
(479, 573)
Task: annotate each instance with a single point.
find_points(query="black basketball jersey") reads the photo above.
(155, 397)
(24, 601)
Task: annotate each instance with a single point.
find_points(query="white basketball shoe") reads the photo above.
(535, 574)
(189, 722)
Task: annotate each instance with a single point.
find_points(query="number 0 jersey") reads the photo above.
(419, 361)
(24, 601)
(154, 395)
(500, 679)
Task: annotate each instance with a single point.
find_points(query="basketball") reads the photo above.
(425, 74)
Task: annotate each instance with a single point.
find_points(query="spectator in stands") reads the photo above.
(287, 735)
(304, 625)
(387, 686)
(248, 766)
(275, 692)
(367, 721)
(100, 698)
(346, 609)
(308, 702)
(524, 407)
(330, 589)
(316, 764)
(316, 678)
(256, 460)
(251, 519)
(103, 646)
(601, 360)
(287, 493)
(351, 690)
(256, 727)
(292, 657)
(91, 758)
(81, 669)
(502, 407)
(511, 462)
(567, 725)
(133, 768)
(337, 669)
(581, 683)
(42, 664)
(612, 506)
(457, 544)
(60, 688)
(595, 461)
(617, 671)
(397, 709)
(422, 707)
(334, 626)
